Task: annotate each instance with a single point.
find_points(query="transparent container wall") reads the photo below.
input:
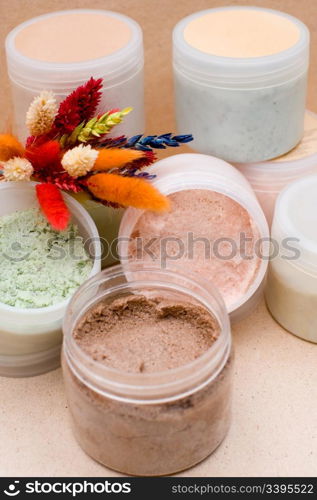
(124, 94)
(240, 125)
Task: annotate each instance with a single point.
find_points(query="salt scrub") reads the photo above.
(137, 334)
(221, 220)
(270, 177)
(240, 81)
(216, 228)
(40, 267)
(291, 291)
(148, 380)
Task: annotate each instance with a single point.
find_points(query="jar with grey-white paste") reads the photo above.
(240, 81)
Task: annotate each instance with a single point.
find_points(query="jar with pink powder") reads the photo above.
(215, 229)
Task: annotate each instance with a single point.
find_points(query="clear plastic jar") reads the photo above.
(30, 339)
(270, 177)
(243, 102)
(119, 62)
(291, 291)
(190, 172)
(121, 67)
(148, 424)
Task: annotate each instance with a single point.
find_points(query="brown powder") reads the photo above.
(138, 334)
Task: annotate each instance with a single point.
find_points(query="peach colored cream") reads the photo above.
(241, 33)
(202, 233)
(73, 37)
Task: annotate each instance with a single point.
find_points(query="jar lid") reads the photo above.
(121, 58)
(224, 65)
(295, 217)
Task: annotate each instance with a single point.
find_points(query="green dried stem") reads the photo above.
(94, 128)
(101, 126)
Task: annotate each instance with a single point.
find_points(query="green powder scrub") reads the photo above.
(40, 267)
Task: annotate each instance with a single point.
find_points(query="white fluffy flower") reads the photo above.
(17, 169)
(41, 113)
(79, 160)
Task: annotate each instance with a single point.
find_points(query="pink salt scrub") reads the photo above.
(227, 254)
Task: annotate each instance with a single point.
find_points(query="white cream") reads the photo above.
(291, 291)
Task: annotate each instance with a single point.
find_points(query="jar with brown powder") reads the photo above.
(147, 366)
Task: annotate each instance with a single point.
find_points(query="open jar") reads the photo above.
(215, 228)
(240, 81)
(269, 178)
(31, 338)
(60, 51)
(41, 55)
(152, 420)
(291, 291)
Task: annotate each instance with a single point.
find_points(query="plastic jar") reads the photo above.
(270, 177)
(291, 291)
(186, 172)
(240, 81)
(30, 339)
(61, 50)
(148, 424)
(103, 44)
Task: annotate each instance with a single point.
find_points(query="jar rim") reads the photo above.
(275, 68)
(160, 386)
(173, 182)
(284, 226)
(129, 55)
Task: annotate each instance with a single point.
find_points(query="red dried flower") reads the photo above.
(53, 205)
(79, 106)
(44, 156)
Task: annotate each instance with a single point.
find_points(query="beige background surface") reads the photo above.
(274, 429)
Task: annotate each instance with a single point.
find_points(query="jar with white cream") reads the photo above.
(291, 291)
(240, 81)
(31, 333)
(270, 177)
(215, 228)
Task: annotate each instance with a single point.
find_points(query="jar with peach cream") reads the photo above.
(215, 228)
(61, 50)
(240, 81)
(148, 368)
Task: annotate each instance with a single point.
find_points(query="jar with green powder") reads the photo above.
(40, 270)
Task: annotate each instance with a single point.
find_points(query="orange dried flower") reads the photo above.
(127, 191)
(10, 147)
(116, 158)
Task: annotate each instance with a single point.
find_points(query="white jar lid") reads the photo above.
(295, 217)
(38, 74)
(249, 72)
